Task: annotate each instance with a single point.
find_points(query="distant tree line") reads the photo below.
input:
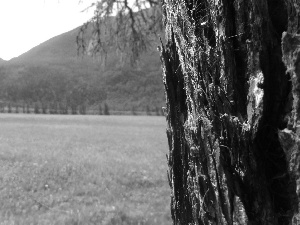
(53, 93)
(55, 90)
(37, 108)
(103, 109)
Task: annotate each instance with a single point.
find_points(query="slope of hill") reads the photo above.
(2, 61)
(62, 47)
(122, 86)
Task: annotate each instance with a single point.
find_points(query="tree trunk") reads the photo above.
(231, 71)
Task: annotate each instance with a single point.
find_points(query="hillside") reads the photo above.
(62, 47)
(2, 61)
(37, 77)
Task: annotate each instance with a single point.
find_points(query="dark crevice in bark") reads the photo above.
(239, 64)
(176, 109)
(278, 15)
(276, 89)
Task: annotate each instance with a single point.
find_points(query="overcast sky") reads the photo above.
(27, 23)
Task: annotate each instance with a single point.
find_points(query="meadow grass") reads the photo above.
(83, 170)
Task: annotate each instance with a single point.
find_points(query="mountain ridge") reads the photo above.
(123, 86)
(2, 61)
(54, 46)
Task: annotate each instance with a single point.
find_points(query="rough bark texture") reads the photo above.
(232, 80)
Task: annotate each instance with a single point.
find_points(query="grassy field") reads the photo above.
(83, 170)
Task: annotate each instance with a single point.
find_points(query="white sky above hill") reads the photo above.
(27, 23)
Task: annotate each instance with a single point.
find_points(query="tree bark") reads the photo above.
(231, 71)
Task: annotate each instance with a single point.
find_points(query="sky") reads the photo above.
(27, 23)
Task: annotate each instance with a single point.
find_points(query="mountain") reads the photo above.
(2, 61)
(62, 47)
(37, 76)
